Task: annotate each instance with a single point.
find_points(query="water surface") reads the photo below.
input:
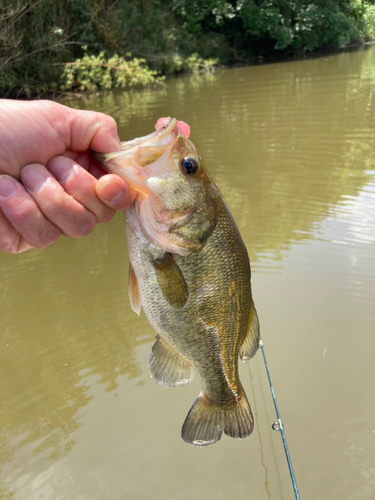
(291, 145)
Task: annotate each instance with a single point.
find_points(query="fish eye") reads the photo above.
(189, 165)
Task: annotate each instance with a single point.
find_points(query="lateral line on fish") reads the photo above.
(225, 366)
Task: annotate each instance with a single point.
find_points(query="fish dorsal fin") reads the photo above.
(133, 291)
(251, 343)
(167, 367)
(171, 281)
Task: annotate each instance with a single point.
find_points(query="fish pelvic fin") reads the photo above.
(133, 291)
(206, 421)
(167, 367)
(251, 343)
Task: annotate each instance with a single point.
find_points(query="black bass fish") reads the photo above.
(190, 271)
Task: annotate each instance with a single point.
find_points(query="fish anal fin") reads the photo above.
(251, 343)
(133, 291)
(167, 367)
(171, 281)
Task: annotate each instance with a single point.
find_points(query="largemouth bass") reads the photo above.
(190, 271)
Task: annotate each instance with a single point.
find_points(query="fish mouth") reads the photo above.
(152, 150)
(160, 139)
(155, 138)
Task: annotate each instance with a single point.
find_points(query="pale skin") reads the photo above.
(49, 186)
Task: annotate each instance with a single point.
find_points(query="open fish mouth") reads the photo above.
(159, 140)
(156, 138)
(149, 157)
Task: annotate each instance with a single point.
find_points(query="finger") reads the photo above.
(115, 192)
(80, 185)
(91, 130)
(72, 218)
(96, 170)
(10, 239)
(85, 161)
(22, 224)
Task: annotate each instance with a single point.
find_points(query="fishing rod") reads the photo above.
(278, 426)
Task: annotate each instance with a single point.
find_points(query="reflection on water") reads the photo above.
(51, 314)
(291, 147)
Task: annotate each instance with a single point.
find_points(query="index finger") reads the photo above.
(92, 130)
(34, 132)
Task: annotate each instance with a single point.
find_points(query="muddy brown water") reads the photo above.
(291, 145)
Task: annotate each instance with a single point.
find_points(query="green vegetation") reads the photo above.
(54, 46)
(96, 72)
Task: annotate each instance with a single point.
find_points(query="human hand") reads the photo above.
(48, 184)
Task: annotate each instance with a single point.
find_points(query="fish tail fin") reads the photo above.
(239, 421)
(206, 420)
(204, 423)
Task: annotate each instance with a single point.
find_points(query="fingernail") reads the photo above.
(111, 192)
(33, 177)
(61, 168)
(8, 186)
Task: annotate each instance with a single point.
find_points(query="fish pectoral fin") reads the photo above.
(167, 367)
(133, 291)
(171, 281)
(251, 343)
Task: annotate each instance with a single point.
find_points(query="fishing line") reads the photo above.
(278, 426)
(266, 482)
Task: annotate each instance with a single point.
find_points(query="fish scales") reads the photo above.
(190, 272)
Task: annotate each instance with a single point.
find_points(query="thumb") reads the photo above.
(115, 192)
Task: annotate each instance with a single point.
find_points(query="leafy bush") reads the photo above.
(175, 63)
(93, 73)
(197, 64)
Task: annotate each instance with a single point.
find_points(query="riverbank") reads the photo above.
(50, 47)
